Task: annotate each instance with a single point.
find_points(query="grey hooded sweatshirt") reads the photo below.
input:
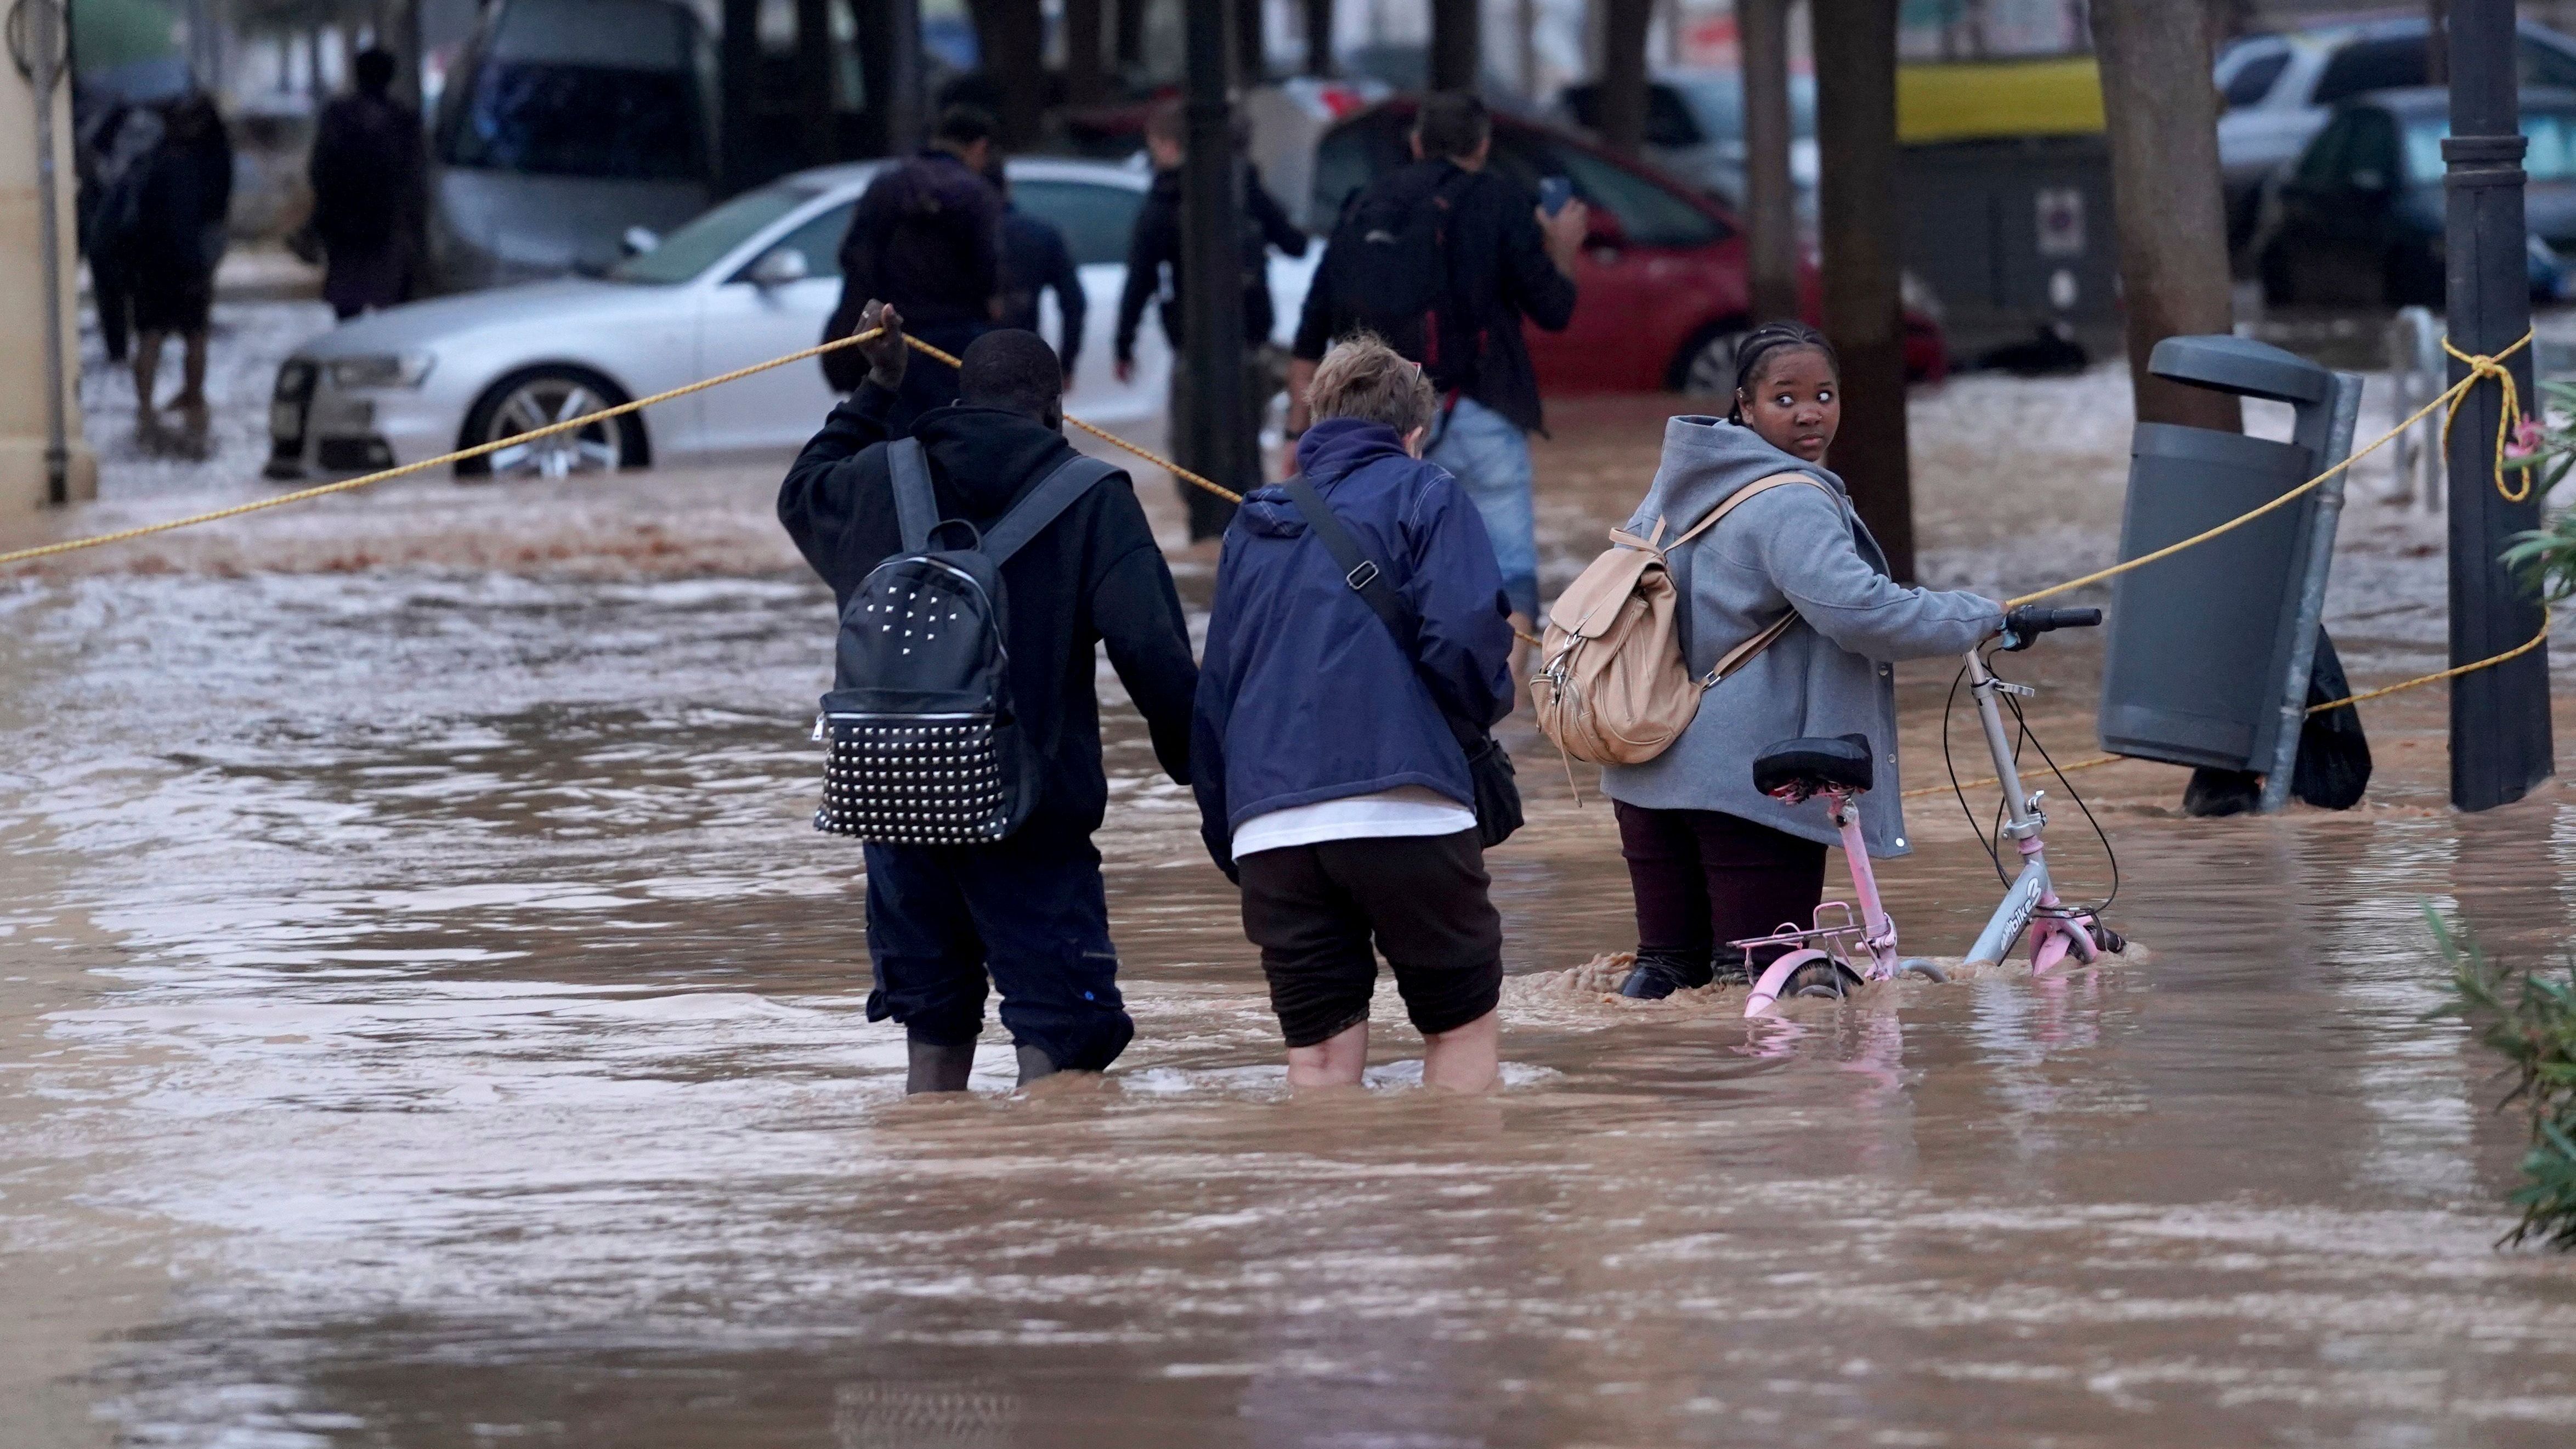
(1799, 548)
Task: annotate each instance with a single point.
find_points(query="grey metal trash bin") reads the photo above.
(2201, 643)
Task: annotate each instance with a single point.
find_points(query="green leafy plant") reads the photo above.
(2528, 1017)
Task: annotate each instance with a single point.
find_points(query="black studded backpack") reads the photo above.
(925, 747)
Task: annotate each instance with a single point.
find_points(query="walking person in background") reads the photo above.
(1448, 236)
(926, 238)
(367, 169)
(183, 193)
(1035, 259)
(1712, 859)
(1030, 910)
(1331, 782)
(1154, 276)
(114, 139)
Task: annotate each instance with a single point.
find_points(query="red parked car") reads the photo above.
(1664, 294)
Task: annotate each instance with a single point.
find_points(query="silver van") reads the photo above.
(564, 124)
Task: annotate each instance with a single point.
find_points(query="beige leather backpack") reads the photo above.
(1612, 687)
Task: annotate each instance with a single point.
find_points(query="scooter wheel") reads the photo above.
(1822, 979)
(2108, 939)
(1922, 968)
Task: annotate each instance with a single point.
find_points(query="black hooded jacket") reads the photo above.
(1094, 575)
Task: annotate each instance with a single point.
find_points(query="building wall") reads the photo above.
(22, 302)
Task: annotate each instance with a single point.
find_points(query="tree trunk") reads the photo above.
(1855, 45)
(2160, 116)
(1131, 33)
(1621, 108)
(1251, 52)
(2437, 43)
(1012, 36)
(1319, 37)
(739, 65)
(1456, 47)
(1770, 199)
(1218, 432)
(814, 82)
(1084, 82)
(890, 65)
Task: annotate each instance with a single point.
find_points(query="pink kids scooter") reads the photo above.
(1844, 948)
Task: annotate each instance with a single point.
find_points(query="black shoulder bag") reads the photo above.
(1489, 767)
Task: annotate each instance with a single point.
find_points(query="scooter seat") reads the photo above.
(1812, 766)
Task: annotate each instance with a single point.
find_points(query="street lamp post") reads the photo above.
(2500, 737)
(1218, 424)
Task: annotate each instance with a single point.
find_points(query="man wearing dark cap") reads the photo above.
(1029, 910)
(925, 238)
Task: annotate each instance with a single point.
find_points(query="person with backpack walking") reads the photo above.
(1333, 779)
(925, 238)
(976, 560)
(183, 194)
(1154, 257)
(1786, 603)
(368, 171)
(1445, 259)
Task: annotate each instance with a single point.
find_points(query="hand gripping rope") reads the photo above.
(2481, 367)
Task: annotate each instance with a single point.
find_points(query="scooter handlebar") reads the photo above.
(2023, 626)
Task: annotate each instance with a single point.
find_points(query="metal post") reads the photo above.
(44, 73)
(903, 94)
(2310, 619)
(1219, 427)
(2500, 737)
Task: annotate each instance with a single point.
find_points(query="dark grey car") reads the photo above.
(2358, 220)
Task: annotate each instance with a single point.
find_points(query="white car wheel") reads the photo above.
(536, 400)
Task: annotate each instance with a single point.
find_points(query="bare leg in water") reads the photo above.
(1466, 1059)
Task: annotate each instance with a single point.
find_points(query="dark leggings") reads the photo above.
(1703, 879)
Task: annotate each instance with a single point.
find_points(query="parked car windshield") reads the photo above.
(1096, 220)
(695, 247)
(551, 119)
(2552, 156)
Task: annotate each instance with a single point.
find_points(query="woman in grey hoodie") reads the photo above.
(1712, 859)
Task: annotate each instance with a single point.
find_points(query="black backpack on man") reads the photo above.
(926, 748)
(1389, 261)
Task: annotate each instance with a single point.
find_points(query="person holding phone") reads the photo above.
(1504, 257)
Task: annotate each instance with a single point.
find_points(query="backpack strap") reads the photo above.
(1368, 581)
(1743, 654)
(916, 507)
(1039, 506)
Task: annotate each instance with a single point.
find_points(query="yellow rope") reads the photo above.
(460, 455)
(1157, 459)
(2480, 368)
(2454, 672)
(2507, 416)
(1944, 788)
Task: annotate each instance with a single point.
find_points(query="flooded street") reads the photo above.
(427, 1019)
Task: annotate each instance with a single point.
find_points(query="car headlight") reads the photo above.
(405, 370)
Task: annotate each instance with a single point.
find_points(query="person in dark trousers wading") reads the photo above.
(1710, 858)
(1492, 259)
(183, 194)
(925, 238)
(1154, 276)
(1029, 910)
(1331, 784)
(367, 171)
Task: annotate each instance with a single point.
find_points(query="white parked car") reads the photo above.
(752, 279)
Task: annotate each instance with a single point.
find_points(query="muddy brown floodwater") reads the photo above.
(426, 1020)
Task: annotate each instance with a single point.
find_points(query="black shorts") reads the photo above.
(1313, 910)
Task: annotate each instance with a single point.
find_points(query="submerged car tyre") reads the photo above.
(1707, 366)
(526, 401)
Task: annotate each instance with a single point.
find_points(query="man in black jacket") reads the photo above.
(1031, 909)
(926, 238)
(1507, 261)
(1154, 276)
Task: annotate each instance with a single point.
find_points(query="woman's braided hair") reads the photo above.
(1765, 342)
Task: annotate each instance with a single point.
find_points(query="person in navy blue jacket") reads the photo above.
(1329, 785)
